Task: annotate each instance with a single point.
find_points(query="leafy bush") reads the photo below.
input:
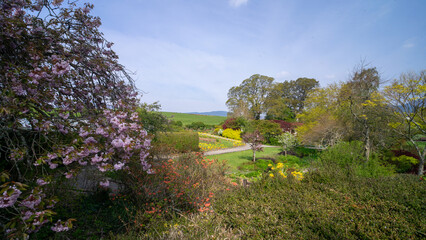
(184, 185)
(350, 157)
(232, 134)
(181, 141)
(286, 126)
(287, 141)
(269, 130)
(151, 119)
(196, 126)
(345, 208)
(404, 164)
(302, 151)
(235, 123)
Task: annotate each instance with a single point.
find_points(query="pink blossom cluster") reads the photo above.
(60, 226)
(9, 199)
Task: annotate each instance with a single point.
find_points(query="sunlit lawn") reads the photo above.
(236, 159)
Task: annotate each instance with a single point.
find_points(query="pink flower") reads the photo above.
(101, 131)
(60, 227)
(117, 143)
(64, 115)
(60, 68)
(118, 166)
(7, 200)
(68, 175)
(31, 201)
(97, 159)
(104, 183)
(53, 165)
(41, 182)
(90, 140)
(83, 133)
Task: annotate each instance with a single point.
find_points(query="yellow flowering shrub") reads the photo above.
(233, 134)
(282, 170)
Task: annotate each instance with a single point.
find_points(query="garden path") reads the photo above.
(228, 150)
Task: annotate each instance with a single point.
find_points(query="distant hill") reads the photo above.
(213, 113)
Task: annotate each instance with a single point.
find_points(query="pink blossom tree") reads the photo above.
(65, 103)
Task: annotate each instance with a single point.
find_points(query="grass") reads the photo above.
(186, 118)
(237, 159)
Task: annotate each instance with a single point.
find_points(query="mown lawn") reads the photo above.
(186, 118)
(236, 159)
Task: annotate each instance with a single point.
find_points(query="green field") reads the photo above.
(186, 118)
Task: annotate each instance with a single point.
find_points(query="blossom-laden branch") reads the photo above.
(65, 103)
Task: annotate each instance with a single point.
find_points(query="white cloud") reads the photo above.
(181, 78)
(237, 3)
(408, 45)
(282, 74)
(330, 76)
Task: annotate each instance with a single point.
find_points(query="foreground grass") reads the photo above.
(186, 118)
(322, 206)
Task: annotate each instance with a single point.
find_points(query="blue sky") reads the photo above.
(187, 54)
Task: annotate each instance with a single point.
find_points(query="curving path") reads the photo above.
(228, 150)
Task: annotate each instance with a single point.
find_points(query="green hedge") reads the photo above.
(181, 141)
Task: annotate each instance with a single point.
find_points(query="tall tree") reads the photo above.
(287, 99)
(251, 93)
(407, 97)
(320, 123)
(362, 108)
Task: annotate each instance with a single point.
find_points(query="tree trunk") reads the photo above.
(421, 165)
(254, 156)
(367, 144)
(422, 161)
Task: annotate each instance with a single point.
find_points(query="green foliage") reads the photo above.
(404, 163)
(180, 141)
(250, 95)
(183, 185)
(232, 134)
(98, 214)
(235, 123)
(349, 156)
(187, 119)
(152, 120)
(268, 129)
(197, 126)
(287, 141)
(296, 162)
(343, 208)
(287, 98)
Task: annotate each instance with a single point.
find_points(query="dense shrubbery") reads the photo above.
(350, 157)
(345, 207)
(238, 123)
(269, 130)
(286, 126)
(187, 184)
(180, 141)
(199, 126)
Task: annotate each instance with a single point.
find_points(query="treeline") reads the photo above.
(362, 109)
(260, 95)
